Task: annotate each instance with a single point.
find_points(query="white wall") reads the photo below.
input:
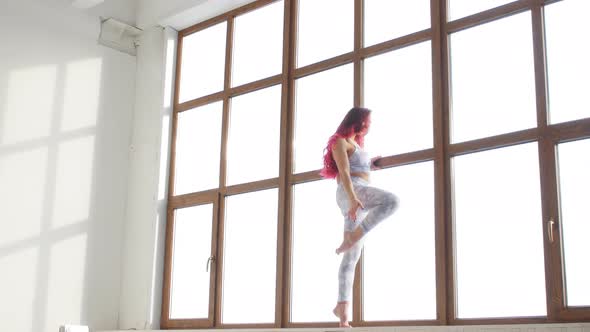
(65, 125)
(143, 250)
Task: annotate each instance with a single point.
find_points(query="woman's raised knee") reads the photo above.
(392, 202)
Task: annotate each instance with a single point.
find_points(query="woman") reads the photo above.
(362, 206)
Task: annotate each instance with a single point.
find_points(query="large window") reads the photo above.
(399, 277)
(493, 80)
(499, 241)
(482, 120)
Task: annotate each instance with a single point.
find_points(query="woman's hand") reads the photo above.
(355, 204)
(375, 163)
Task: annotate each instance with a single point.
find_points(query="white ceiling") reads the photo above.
(122, 10)
(85, 4)
(198, 11)
(177, 14)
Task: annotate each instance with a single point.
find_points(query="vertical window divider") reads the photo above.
(440, 97)
(217, 250)
(554, 285)
(218, 232)
(283, 215)
(286, 154)
(172, 174)
(226, 103)
(540, 68)
(444, 174)
(359, 19)
(223, 172)
(357, 298)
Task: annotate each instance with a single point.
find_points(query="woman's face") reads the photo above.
(365, 126)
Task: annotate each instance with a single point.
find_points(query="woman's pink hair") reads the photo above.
(351, 124)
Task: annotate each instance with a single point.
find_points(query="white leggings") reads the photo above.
(379, 204)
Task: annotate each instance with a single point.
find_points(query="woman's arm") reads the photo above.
(341, 158)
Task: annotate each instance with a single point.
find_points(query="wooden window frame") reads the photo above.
(546, 135)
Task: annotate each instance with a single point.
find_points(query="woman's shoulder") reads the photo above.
(343, 143)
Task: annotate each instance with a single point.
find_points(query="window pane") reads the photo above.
(574, 183)
(406, 243)
(250, 258)
(202, 62)
(493, 81)
(258, 44)
(385, 20)
(321, 102)
(398, 88)
(568, 69)
(198, 144)
(462, 8)
(325, 30)
(189, 292)
(317, 232)
(499, 233)
(254, 136)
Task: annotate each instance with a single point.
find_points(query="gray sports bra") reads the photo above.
(359, 161)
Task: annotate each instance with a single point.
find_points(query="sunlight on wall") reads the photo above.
(23, 179)
(73, 181)
(66, 282)
(81, 94)
(169, 74)
(29, 105)
(18, 269)
(155, 285)
(164, 146)
(166, 119)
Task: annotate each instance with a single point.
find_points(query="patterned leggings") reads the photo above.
(379, 204)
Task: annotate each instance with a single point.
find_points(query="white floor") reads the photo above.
(572, 327)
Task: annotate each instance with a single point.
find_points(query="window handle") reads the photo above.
(209, 261)
(550, 225)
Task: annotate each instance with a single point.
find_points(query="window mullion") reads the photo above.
(443, 220)
(222, 173)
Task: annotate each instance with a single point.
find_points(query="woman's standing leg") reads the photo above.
(346, 281)
(349, 259)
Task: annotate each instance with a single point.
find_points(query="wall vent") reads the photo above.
(118, 35)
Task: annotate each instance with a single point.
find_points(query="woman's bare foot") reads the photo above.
(349, 240)
(341, 311)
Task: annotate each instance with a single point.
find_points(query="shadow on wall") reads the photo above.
(65, 123)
